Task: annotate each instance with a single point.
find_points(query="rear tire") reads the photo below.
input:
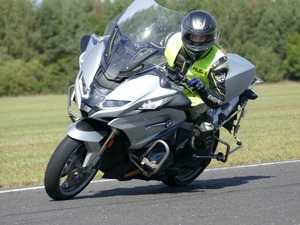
(64, 178)
(188, 174)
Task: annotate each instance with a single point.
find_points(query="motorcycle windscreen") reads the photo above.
(123, 57)
(134, 38)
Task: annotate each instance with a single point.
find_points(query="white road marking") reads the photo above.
(253, 165)
(207, 170)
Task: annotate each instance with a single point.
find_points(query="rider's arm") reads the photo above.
(214, 95)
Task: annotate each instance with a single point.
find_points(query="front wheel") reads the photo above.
(64, 177)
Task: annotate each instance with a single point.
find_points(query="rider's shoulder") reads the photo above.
(174, 40)
(221, 52)
(173, 46)
(220, 61)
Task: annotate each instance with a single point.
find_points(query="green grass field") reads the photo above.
(32, 127)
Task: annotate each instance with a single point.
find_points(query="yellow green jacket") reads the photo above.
(199, 69)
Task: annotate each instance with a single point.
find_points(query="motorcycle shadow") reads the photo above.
(195, 186)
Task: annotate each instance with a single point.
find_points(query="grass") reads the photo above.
(31, 128)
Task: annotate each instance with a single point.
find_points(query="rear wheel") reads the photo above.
(186, 175)
(189, 172)
(64, 177)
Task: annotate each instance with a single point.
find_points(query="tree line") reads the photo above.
(39, 40)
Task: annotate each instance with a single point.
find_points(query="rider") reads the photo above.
(194, 58)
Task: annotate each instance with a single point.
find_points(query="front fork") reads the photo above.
(95, 151)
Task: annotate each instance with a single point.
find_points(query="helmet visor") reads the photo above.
(198, 38)
(198, 42)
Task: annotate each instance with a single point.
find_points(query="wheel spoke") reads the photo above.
(64, 185)
(64, 177)
(72, 174)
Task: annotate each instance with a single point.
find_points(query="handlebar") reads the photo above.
(180, 80)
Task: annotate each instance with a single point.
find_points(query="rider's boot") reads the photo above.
(200, 147)
(202, 139)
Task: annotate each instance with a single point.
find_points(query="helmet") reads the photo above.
(198, 32)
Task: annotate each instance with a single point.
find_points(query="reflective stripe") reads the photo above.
(216, 85)
(195, 100)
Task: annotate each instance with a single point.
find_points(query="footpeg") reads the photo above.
(195, 157)
(220, 157)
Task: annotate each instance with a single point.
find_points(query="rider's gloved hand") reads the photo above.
(197, 84)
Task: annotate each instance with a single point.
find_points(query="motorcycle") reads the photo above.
(132, 121)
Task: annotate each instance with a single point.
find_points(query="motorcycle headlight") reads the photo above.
(99, 94)
(113, 103)
(151, 105)
(94, 94)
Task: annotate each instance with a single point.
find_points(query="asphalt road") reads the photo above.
(253, 194)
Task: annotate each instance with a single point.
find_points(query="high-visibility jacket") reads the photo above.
(199, 69)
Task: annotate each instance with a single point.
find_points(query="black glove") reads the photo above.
(197, 84)
(175, 75)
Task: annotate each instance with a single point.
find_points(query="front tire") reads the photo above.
(64, 177)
